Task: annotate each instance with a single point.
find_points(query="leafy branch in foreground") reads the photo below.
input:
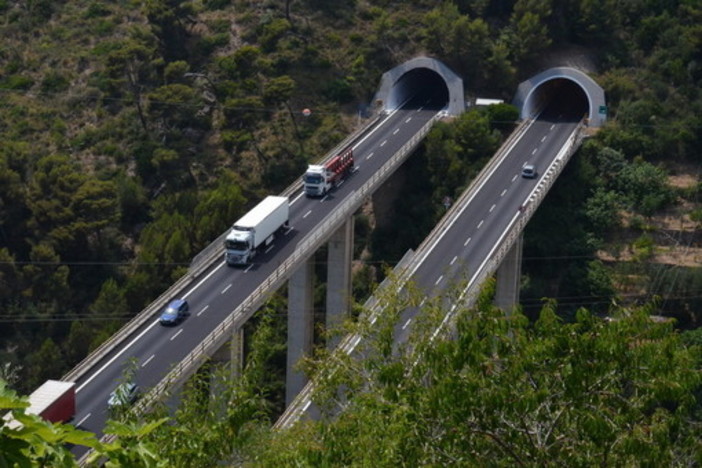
(507, 391)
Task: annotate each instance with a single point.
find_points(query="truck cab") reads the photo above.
(238, 246)
(315, 181)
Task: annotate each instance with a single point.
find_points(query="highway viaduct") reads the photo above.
(410, 99)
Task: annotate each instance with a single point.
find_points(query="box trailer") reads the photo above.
(256, 230)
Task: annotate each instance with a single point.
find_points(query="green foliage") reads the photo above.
(16, 82)
(35, 442)
(504, 392)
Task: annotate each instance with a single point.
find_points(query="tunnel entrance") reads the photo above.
(567, 92)
(421, 82)
(417, 88)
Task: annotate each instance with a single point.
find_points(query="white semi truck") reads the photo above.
(256, 230)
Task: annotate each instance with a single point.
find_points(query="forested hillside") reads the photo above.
(135, 132)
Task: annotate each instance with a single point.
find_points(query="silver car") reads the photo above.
(529, 171)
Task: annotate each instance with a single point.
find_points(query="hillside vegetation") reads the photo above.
(501, 391)
(135, 132)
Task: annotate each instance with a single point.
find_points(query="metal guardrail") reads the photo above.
(304, 250)
(527, 211)
(297, 406)
(200, 263)
(209, 254)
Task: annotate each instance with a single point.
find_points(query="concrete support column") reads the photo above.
(508, 276)
(340, 254)
(232, 352)
(230, 357)
(300, 326)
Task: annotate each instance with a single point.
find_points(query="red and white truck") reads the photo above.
(319, 179)
(54, 401)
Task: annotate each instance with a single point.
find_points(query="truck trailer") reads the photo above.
(256, 230)
(319, 179)
(54, 401)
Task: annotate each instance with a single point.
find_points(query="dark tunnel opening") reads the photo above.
(562, 100)
(420, 87)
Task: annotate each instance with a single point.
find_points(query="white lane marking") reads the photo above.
(269, 248)
(248, 268)
(307, 405)
(306, 214)
(288, 231)
(514, 178)
(408, 119)
(467, 241)
(465, 205)
(148, 360)
(114, 358)
(534, 151)
(492, 208)
(298, 197)
(448, 316)
(388, 117)
(423, 301)
(503, 193)
(395, 132)
(454, 260)
(543, 138)
(481, 223)
(83, 420)
(369, 156)
(552, 126)
(383, 143)
(225, 289)
(203, 310)
(439, 280)
(138, 337)
(406, 324)
(196, 286)
(421, 108)
(177, 333)
(354, 343)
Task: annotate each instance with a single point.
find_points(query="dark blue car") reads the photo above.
(175, 312)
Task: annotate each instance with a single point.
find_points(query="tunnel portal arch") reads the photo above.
(532, 92)
(396, 84)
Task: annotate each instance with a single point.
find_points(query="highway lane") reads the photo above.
(463, 246)
(469, 242)
(151, 351)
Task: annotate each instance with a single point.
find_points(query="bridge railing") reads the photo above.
(526, 211)
(304, 250)
(216, 248)
(200, 263)
(404, 271)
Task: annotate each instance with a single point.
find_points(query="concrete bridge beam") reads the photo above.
(339, 257)
(508, 278)
(300, 326)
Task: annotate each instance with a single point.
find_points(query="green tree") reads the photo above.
(505, 391)
(529, 25)
(35, 442)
